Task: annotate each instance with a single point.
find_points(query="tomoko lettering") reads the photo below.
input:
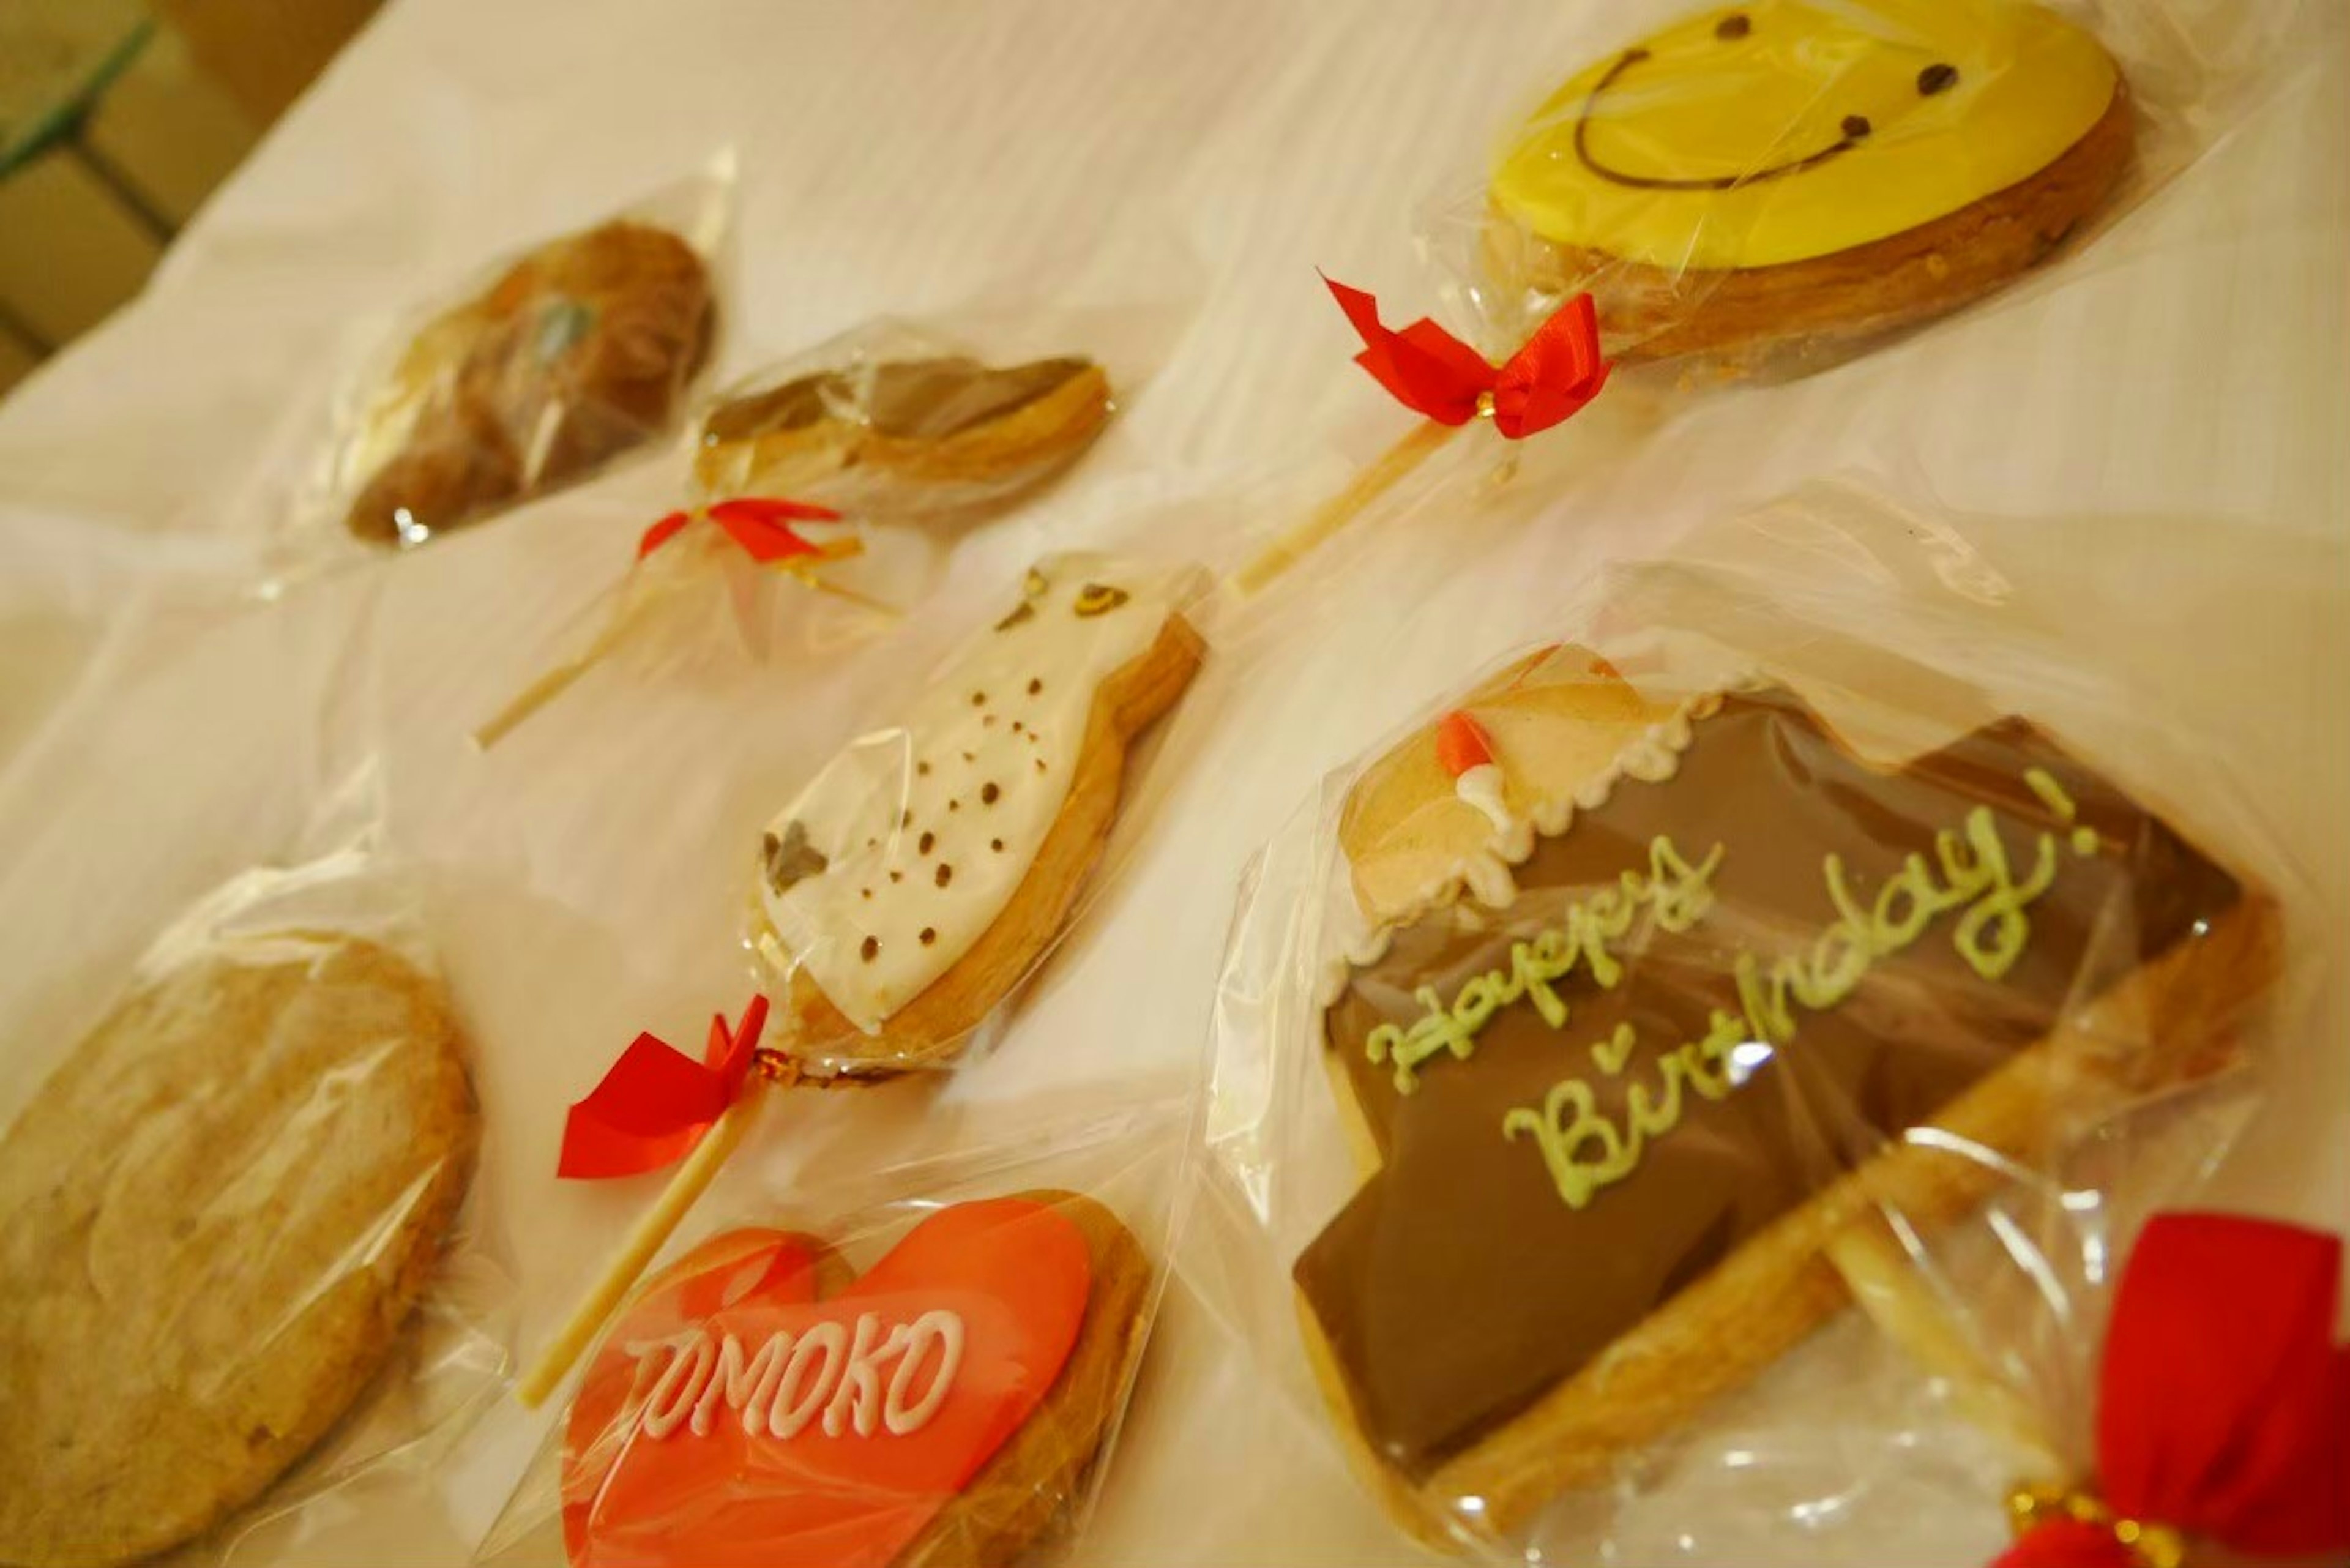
(847, 1378)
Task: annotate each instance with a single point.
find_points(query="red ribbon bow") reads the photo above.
(655, 1104)
(2224, 1402)
(1431, 372)
(760, 526)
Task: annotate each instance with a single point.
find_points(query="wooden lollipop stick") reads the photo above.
(651, 1233)
(1886, 1284)
(555, 682)
(534, 697)
(1418, 445)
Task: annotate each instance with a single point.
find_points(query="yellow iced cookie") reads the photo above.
(1783, 130)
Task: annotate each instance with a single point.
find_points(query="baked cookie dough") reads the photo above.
(214, 1219)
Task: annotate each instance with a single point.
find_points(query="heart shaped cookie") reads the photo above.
(756, 1406)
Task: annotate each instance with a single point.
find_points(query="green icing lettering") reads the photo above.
(1677, 893)
(1562, 1136)
(1612, 1052)
(1992, 933)
(1585, 1150)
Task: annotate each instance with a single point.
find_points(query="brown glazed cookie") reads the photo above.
(757, 1403)
(578, 352)
(906, 437)
(214, 1219)
(1766, 188)
(1609, 1124)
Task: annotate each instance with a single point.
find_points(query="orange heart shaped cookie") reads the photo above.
(752, 1408)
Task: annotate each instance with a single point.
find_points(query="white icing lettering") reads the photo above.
(856, 1398)
(943, 1329)
(798, 1398)
(673, 1396)
(839, 1370)
(746, 1387)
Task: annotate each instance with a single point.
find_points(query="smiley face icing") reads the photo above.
(1783, 130)
(907, 846)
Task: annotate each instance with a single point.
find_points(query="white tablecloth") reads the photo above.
(1183, 168)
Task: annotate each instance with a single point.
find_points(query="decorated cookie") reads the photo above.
(759, 1405)
(917, 879)
(1771, 182)
(1610, 1110)
(214, 1220)
(578, 352)
(901, 438)
(1423, 821)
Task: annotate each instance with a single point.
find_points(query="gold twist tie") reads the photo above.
(2154, 1545)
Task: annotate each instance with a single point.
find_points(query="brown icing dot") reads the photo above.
(979, 699)
(954, 806)
(1035, 687)
(988, 722)
(1855, 126)
(930, 935)
(996, 845)
(946, 873)
(1040, 764)
(1733, 27)
(969, 758)
(906, 817)
(923, 769)
(867, 891)
(871, 949)
(897, 876)
(1936, 77)
(1017, 727)
(924, 843)
(988, 793)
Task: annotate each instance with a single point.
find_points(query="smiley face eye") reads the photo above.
(1733, 27)
(1098, 598)
(1936, 77)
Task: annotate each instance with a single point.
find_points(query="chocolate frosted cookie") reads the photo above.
(906, 437)
(214, 1220)
(1611, 1110)
(1768, 185)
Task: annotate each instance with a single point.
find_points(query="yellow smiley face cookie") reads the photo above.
(1782, 131)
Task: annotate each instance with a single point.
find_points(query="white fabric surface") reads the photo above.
(1183, 164)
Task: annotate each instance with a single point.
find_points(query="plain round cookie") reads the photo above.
(214, 1219)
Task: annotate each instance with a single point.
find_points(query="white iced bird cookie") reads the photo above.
(976, 818)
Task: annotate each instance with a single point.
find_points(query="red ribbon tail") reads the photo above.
(2066, 1543)
(1423, 366)
(652, 1108)
(1558, 371)
(759, 526)
(661, 534)
(730, 1051)
(769, 509)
